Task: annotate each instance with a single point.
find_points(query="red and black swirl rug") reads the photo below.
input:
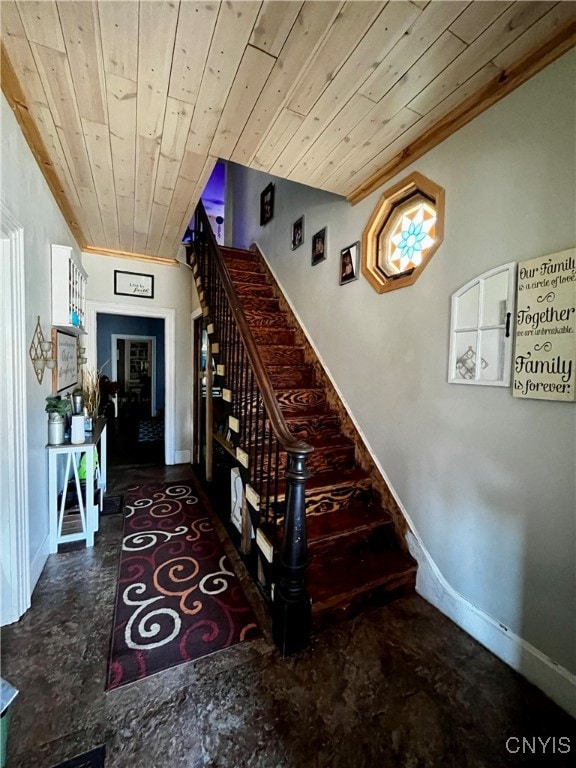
(177, 597)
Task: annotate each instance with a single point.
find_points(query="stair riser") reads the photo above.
(322, 460)
(325, 426)
(327, 501)
(268, 336)
(248, 279)
(239, 254)
(258, 304)
(291, 377)
(378, 539)
(299, 401)
(326, 459)
(261, 320)
(281, 355)
(245, 290)
(246, 267)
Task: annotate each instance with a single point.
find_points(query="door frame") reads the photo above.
(16, 594)
(114, 337)
(195, 318)
(168, 314)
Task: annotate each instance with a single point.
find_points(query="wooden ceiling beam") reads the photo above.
(166, 262)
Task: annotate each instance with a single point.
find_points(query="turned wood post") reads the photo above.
(292, 614)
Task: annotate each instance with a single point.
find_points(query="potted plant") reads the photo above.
(57, 410)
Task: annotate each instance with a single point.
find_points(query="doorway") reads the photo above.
(17, 581)
(133, 366)
(128, 360)
(165, 379)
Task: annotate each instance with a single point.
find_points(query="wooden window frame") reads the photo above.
(388, 206)
(506, 326)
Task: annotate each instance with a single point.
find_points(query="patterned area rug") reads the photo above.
(177, 598)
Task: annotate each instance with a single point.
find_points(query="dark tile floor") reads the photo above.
(396, 686)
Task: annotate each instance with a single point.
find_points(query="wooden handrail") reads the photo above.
(291, 615)
(277, 421)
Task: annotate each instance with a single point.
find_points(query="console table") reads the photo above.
(82, 525)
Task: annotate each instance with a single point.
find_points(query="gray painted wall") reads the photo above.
(488, 481)
(30, 201)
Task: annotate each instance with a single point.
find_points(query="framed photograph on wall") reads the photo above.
(133, 284)
(298, 233)
(65, 351)
(319, 247)
(267, 204)
(349, 258)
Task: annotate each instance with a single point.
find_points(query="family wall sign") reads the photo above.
(545, 349)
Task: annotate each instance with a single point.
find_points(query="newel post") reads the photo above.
(292, 614)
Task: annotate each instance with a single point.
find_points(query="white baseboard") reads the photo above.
(182, 457)
(38, 562)
(555, 681)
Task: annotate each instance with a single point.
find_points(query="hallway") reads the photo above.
(399, 686)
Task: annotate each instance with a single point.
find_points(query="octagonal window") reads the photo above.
(403, 233)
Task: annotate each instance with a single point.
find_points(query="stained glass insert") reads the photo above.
(405, 230)
(409, 233)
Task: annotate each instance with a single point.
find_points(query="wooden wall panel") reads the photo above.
(119, 33)
(415, 43)
(55, 73)
(273, 25)
(97, 138)
(174, 137)
(306, 35)
(42, 23)
(387, 29)
(507, 27)
(253, 72)
(121, 98)
(231, 35)
(81, 29)
(128, 103)
(156, 36)
(195, 30)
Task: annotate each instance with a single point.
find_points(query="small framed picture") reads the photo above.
(319, 247)
(349, 263)
(298, 233)
(267, 204)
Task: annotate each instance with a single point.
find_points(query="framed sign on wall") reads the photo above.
(545, 350)
(65, 347)
(133, 284)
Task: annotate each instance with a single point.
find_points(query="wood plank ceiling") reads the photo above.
(128, 105)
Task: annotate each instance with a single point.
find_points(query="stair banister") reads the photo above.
(292, 609)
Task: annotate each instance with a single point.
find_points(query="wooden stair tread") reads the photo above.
(334, 579)
(357, 518)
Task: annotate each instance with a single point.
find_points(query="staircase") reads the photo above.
(356, 549)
